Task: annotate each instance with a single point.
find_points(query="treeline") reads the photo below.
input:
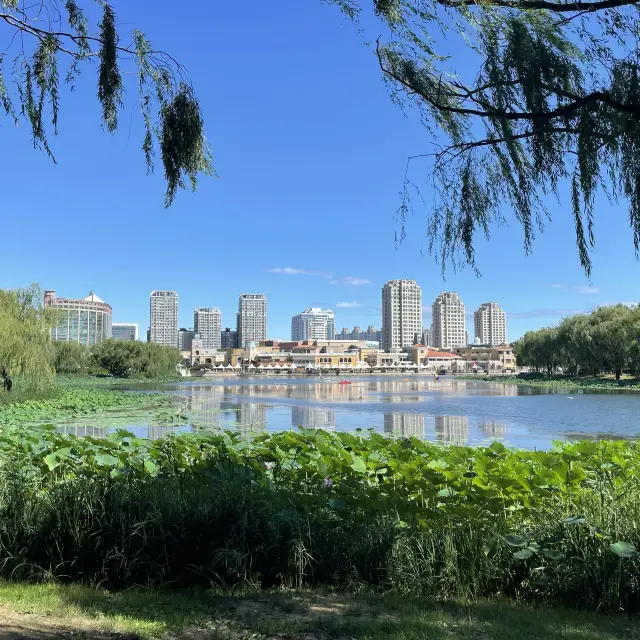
(27, 351)
(116, 357)
(606, 340)
(25, 336)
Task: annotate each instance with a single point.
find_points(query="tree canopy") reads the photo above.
(145, 359)
(40, 36)
(608, 339)
(25, 340)
(524, 97)
(527, 96)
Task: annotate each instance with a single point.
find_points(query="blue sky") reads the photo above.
(310, 154)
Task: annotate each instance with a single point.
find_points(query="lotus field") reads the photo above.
(311, 508)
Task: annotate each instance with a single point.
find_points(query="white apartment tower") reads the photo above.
(252, 318)
(490, 324)
(207, 322)
(313, 324)
(448, 327)
(163, 325)
(401, 314)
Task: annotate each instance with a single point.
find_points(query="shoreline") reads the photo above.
(586, 384)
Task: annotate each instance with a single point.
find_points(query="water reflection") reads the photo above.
(449, 411)
(493, 429)
(404, 424)
(452, 429)
(251, 418)
(313, 418)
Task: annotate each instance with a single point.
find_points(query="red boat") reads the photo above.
(344, 382)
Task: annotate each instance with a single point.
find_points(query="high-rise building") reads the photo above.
(490, 324)
(427, 337)
(313, 324)
(448, 325)
(163, 324)
(229, 339)
(252, 318)
(86, 321)
(401, 314)
(124, 331)
(208, 323)
(185, 339)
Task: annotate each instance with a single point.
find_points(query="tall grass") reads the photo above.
(314, 509)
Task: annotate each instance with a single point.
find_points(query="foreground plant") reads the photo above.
(311, 508)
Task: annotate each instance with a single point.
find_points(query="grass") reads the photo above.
(156, 615)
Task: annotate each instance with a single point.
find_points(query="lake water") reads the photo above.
(448, 411)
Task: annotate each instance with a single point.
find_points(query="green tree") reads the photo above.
(576, 336)
(526, 96)
(119, 357)
(608, 339)
(157, 361)
(25, 338)
(616, 333)
(40, 35)
(70, 357)
(122, 359)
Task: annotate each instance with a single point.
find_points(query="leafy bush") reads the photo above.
(121, 358)
(311, 508)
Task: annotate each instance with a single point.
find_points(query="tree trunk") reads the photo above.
(618, 373)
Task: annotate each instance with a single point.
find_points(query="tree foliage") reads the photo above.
(608, 339)
(25, 344)
(122, 358)
(70, 357)
(527, 96)
(39, 36)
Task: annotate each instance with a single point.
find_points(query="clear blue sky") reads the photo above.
(310, 153)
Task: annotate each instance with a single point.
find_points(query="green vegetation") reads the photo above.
(70, 358)
(32, 359)
(559, 382)
(74, 403)
(25, 346)
(608, 339)
(144, 359)
(314, 509)
(156, 615)
(524, 98)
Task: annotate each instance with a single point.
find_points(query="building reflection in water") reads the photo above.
(493, 429)
(204, 405)
(452, 429)
(251, 417)
(83, 431)
(404, 424)
(313, 418)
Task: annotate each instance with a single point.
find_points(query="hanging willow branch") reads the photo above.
(528, 96)
(47, 31)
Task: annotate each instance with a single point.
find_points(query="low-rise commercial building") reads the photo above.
(487, 358)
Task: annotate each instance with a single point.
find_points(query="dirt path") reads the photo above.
(25, 626)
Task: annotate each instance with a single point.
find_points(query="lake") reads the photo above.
(447, 411)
